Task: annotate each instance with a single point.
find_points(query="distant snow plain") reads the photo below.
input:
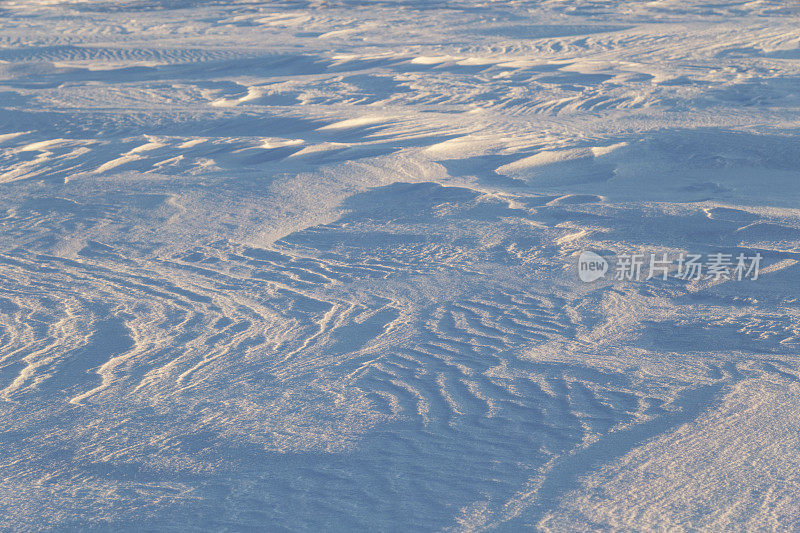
(308, 265)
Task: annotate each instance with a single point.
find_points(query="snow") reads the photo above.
(312, 265)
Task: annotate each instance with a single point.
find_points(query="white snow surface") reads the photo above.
(310, 265)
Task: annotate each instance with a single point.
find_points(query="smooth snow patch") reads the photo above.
(353, 123)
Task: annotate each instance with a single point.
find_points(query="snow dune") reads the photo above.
(311, 265)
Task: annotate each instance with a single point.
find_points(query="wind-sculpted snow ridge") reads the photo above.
(312, 265)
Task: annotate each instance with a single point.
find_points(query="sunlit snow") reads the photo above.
(312, 265)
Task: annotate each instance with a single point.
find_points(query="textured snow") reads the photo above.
(309, 265)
